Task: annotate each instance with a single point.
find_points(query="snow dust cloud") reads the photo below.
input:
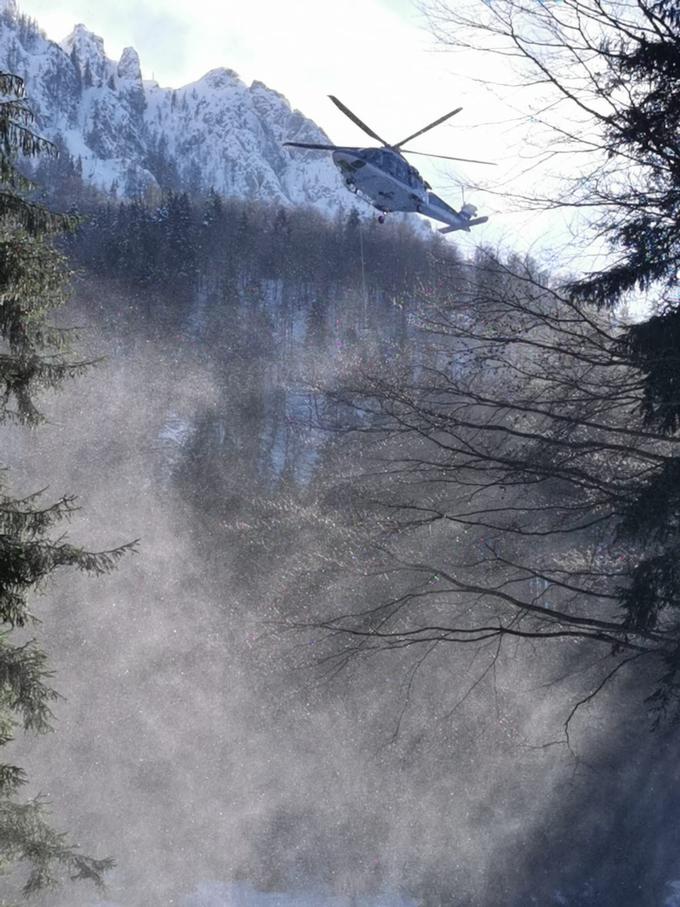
(203, 751)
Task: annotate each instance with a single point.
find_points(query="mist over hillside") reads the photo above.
(198, 740)
(342, 449)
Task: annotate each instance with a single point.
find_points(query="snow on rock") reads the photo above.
(129, 66)
(89, 51)
(133, 135)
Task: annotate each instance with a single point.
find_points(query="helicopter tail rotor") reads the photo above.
(472, 222)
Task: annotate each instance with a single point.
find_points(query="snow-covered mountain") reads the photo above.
(129, 134)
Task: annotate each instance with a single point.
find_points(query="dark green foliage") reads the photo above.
(653, 513)
(653, 347)
(653, 589)
(643, 226)
(16, 137)
(25, 837)
(642, 221)
(27, 555)
(34, 355)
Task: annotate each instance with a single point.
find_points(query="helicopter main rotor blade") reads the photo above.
(320, 147)
(446, 157)
(355, 119)
(431, 126)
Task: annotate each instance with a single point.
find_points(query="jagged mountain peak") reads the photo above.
(9, 7)
(88, 50)
(82, 32)
(256, 85)
(220, 77)
(129, 66)
(131, 136)
(83, 40)
(261, 92)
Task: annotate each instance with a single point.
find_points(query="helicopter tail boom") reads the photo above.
(466, 226)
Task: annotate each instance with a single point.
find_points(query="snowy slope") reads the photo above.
(131, 135)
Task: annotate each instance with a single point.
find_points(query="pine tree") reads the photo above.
(34, 355)
(642, 224)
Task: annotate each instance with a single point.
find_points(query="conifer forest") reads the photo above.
(339, 559)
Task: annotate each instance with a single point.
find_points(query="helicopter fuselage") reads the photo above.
(384, 177)
(390, 183)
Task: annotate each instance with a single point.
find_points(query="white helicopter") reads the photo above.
(389, 182)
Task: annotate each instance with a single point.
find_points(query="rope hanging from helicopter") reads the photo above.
(363, 273)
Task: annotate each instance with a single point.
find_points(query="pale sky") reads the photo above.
(376, 55)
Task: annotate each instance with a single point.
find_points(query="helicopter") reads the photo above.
(386, 179)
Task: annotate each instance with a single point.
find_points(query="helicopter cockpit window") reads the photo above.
(402, 171)
(374, 156)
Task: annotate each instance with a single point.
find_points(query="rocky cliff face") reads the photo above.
(130, 135)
